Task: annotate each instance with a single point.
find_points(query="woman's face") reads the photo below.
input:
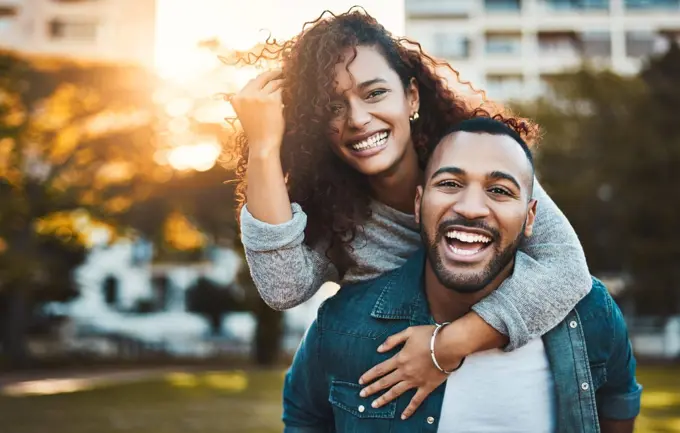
(370, 128)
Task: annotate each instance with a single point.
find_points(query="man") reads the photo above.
(474, 209)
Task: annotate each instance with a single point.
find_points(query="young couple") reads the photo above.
(337, 148)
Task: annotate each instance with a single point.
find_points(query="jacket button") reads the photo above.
(361, 408)
(573, 324)
(585, 386)
(430, 420)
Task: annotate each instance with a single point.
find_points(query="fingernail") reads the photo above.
(361, 381)
(363, 393)
(381, 347)
(403, 417)
(374, 404)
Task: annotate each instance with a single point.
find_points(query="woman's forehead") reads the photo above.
(368, 65)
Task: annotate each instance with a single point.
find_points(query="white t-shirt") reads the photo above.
(501, 392)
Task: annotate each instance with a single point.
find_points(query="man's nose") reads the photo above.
(471, 203)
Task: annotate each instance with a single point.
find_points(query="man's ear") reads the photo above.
(531, 217)
(419, 196)
(413, 95)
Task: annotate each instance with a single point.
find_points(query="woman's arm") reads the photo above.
(286, 272)
(550, 277)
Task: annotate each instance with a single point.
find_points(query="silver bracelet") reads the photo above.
(434, 358)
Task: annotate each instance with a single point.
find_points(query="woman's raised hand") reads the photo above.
(260, 110)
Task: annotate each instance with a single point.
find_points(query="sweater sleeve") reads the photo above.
(550, 277)
(286, 271)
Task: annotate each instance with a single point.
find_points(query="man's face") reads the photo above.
(475, 208)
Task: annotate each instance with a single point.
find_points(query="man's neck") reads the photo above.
(397, 188)
(447, 305)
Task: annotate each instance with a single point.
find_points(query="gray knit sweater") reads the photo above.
(550, 275)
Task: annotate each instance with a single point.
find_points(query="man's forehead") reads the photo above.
(480, 152)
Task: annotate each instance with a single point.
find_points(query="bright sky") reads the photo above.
(239, 23)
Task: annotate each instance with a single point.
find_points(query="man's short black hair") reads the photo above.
(487, 125)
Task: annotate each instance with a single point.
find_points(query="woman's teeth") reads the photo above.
(374, 140)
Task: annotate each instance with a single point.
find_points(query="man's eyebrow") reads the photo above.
(368, 83)
(506, 176)
(448, 169)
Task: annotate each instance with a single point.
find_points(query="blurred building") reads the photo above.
(511, 48)
(126, 297)
(110, 30)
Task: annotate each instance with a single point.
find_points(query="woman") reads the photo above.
(330, 158)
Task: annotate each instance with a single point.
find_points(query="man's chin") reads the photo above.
(466, 287)
(459, 282)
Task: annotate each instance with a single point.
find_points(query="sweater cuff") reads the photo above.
(257, 235)
(503, 316)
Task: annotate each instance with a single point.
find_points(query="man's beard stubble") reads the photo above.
(475, 283)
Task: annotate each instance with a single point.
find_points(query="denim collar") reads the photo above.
(403, 293)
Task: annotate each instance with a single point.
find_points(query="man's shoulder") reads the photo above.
(601, 322)
(355, 300)
(597, 305)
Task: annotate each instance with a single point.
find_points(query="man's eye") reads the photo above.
(449, 184)
(497, 190)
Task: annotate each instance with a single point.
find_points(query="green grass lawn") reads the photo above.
(232, 402)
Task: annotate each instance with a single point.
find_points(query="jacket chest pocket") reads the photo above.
(598, 372)
(354, 414)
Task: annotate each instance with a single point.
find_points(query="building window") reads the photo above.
(74, 30)
(5, 24)
(110, 289)
(652, 4)
(578, 4)
(160, 286)
(505, 87)
(503, 44)
(558, 44)
(8, 10)
(451, 46)
(640, 44)
(596, 44)
(503, 5)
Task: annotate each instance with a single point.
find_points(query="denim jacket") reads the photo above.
(589, 352)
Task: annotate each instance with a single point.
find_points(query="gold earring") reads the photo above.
(415, 116)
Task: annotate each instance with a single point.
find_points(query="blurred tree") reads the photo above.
(75, 148)
(270, 324)
(213, 301)
(653, 182)
(611, 159)
(206, 203)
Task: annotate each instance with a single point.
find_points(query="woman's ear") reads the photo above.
(413, 96)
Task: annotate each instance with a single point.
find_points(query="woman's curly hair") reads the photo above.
(333, 195)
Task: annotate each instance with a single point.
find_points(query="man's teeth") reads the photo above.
(471, 238)
(464, 252)
(374, 140)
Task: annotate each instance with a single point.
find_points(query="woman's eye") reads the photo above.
(337, 109)
(376, 93)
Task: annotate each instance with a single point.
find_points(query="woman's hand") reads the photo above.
(411, 368)
(260, 111)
